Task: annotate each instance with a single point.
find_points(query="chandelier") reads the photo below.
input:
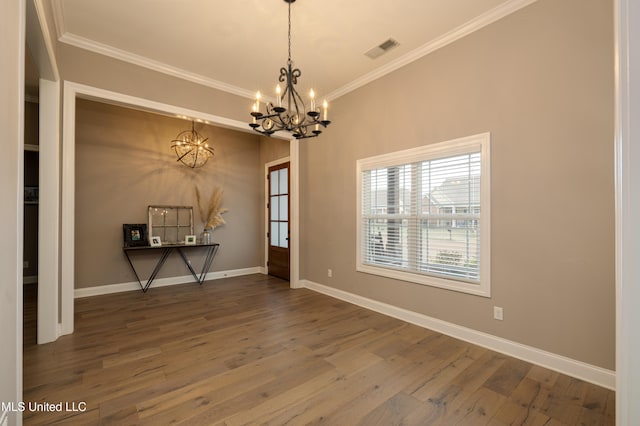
(289, 113)
(192, 148)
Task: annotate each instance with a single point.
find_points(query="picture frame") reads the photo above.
(135, 235)
(156, 241)
(171, 223)
(190, 240)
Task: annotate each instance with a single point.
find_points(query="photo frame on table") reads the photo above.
(156, 242)
(135, 235)
(190, 240)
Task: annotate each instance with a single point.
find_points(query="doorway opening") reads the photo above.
(30, 239)
(31, 212)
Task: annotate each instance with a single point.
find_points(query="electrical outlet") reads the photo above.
(329, 273)
(498, 313)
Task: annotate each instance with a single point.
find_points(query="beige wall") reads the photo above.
(541, 81)
(272, 149)
(124, 163)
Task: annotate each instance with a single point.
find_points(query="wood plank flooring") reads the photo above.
(249, 350)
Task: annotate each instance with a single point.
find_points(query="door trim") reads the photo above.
(267, 166)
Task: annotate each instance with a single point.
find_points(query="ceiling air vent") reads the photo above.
(383, 47)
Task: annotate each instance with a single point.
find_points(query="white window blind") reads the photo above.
(423, 214)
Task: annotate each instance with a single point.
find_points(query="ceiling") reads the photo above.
(240, 45)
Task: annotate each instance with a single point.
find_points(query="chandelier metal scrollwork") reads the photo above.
(294, 117)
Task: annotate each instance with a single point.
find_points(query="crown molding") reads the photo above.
(122, 55)
(463, 30)
(58, 17)
(43, 44)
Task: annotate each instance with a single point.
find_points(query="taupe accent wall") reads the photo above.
(541, 81)
(124, 164)
(273, 149)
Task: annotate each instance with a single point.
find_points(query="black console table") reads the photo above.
(165, 251)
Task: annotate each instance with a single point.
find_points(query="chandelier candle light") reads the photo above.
(294, 117)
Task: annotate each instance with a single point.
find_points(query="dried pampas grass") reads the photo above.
(211, 214)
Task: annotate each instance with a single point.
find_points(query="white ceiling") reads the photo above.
(240, 45)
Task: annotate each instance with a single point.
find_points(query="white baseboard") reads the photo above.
(580, 370)
(162, 282)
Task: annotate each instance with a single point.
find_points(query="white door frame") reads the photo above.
(267, 166)
(41, 45)
(49, 211)
(627, 185)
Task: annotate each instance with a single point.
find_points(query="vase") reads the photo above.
(206, 236)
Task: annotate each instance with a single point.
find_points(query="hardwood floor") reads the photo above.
(249, 350)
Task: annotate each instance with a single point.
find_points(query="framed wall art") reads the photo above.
(135, 234)
(171, 223)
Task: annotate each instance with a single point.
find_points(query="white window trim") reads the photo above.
(480, 142)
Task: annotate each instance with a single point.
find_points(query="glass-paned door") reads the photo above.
(278, 232)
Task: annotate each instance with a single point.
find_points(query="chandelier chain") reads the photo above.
(289, 34)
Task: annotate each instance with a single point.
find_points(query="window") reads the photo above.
(423, 215)
(171, 223)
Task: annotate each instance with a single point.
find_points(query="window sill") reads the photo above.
(482, 289)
